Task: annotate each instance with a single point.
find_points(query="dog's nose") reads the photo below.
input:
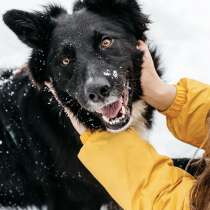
(98, 90)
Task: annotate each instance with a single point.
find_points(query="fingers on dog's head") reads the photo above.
(143, 48)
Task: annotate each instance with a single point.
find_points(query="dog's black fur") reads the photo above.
(38, 154)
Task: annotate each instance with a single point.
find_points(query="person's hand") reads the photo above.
(21, 70)
(155, 92)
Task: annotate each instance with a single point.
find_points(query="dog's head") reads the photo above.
(90, 56)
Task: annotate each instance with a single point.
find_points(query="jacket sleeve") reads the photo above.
(186, 118)
(133, 173)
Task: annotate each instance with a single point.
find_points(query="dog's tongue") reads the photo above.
(112, 110)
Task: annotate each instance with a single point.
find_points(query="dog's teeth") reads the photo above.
(123, 110)
(122, 117)
(116, 120)
(105, 118)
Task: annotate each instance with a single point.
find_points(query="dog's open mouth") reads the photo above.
(117, 114)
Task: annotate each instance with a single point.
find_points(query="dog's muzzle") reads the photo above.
(113, 110)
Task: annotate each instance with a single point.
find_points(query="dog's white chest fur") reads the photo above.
(138, 121)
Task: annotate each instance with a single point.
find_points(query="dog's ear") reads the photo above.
(78, 5)
(127, 12)
(34, 28)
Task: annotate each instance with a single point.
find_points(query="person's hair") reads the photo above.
(200, 196)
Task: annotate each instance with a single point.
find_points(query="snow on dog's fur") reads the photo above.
(91, 60)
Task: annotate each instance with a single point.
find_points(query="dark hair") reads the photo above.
(200, 196)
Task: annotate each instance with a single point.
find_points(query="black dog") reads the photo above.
(90, 58)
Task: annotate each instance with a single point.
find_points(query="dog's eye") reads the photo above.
(66, 61)
(106, 43)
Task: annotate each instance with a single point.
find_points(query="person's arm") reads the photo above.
(187, 116)
(187, 104)
(133, 173)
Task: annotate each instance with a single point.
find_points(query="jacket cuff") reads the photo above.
(180, 99)
(84, 136)
(97, 135)
(91, 136)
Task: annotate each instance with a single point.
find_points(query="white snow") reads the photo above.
(115, 74)
(107, 72)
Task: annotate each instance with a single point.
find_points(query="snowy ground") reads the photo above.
(181, 30)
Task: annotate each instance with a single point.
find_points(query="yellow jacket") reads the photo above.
(133, 173)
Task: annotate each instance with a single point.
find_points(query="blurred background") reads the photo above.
(180, 29)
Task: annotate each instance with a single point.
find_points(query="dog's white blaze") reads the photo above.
(90, 80)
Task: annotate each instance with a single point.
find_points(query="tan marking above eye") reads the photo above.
(66, 61)
(106, 43)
